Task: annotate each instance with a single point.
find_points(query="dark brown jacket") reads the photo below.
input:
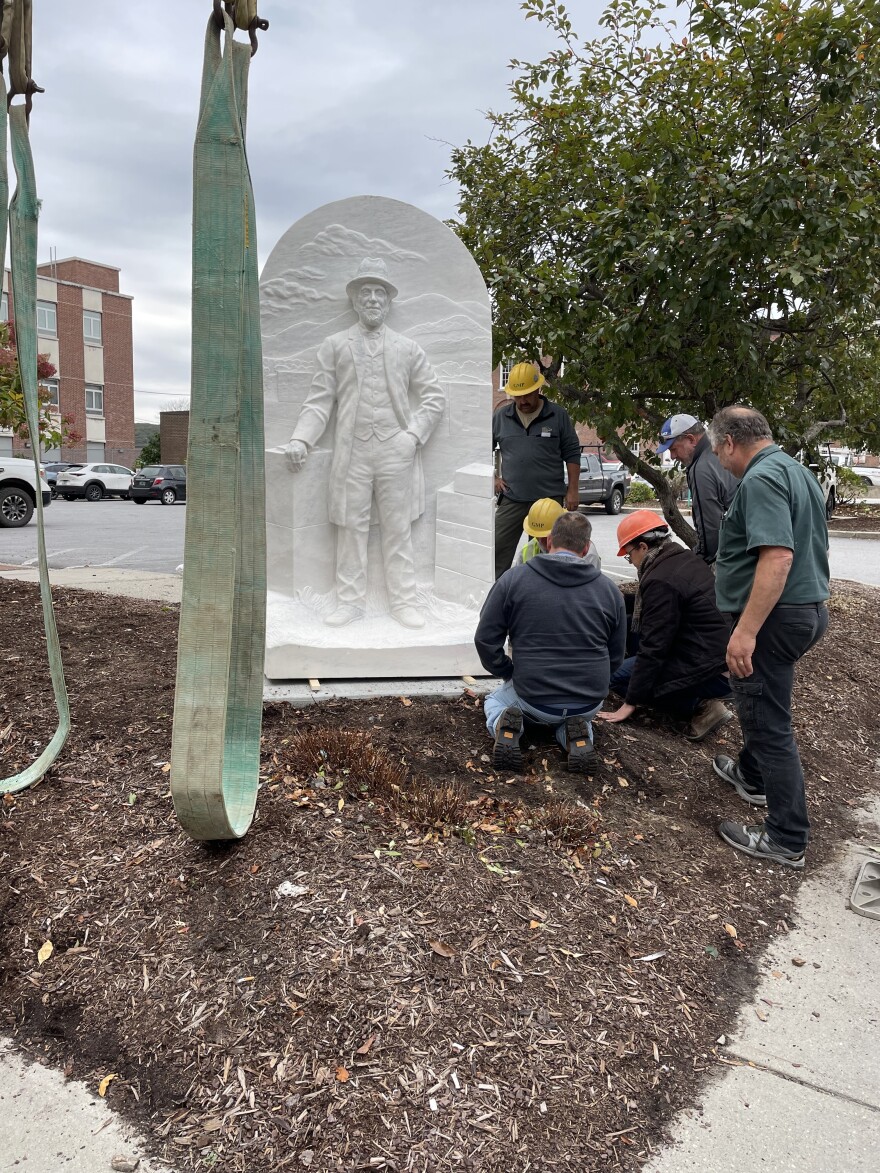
(683, 635)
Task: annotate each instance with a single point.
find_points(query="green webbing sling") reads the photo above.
(215, 751)
(23, 234)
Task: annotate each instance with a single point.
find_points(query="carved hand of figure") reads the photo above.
(296, 454)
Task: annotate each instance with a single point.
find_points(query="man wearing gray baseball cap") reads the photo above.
(711, 486)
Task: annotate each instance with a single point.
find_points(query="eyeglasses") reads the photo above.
(628, 557)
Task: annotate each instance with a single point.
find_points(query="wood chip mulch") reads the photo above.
(409, 963)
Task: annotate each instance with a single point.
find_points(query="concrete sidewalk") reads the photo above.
(50, 1123)
(802, 1091)
(133, 584)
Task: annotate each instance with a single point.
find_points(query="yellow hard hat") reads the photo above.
(523, 378)
(541, 517)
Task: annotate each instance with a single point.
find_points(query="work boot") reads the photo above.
(729, 770)
(708, 716)
(581, 754)
(344, 613)
(508, 730)
(408, 616)
(756, 842)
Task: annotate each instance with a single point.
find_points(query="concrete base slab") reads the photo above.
(300, 695)
(752, 1121)
(50, 1123)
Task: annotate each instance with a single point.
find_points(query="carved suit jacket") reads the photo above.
(416, 397)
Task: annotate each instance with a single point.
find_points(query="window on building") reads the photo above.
(506, 365)
(94, 399)
(4, 307)
(91, 326)
(52, 386)
(47, 318)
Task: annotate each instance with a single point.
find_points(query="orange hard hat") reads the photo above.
(636, 524)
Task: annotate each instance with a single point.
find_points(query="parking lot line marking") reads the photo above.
(50, 554)
(121, 558)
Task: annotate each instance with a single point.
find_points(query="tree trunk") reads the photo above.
(667, 490)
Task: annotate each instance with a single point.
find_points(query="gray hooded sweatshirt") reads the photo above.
(567, 625)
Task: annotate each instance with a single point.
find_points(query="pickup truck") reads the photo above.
(18, 491)
(600, 484)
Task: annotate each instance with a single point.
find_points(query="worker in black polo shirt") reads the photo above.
(534, 439)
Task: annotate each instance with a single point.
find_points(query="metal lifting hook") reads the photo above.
(253, 25)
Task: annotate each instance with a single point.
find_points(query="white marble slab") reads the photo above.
(435, 298)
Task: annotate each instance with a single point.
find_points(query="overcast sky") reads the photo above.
(346, 99)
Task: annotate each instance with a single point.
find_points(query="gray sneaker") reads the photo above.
(756, 842)
(729, 770)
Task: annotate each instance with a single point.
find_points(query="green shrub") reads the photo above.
(850, 486)
(639, 494)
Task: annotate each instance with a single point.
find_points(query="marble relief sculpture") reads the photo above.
(378, 400)
(388, 401)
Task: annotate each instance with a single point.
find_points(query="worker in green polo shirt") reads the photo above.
(773, 582)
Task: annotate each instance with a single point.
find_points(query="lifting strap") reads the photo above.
(22, 221)
(215, 754)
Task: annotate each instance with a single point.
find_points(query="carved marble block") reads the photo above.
(377, 351)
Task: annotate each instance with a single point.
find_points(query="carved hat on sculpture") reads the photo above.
(372, 271)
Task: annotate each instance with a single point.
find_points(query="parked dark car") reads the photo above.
(52, 469)
(159, 482)
(599, 484)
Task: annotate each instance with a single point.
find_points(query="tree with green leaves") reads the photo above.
(151, 453)
(687, 214)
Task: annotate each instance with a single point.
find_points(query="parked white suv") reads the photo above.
(93, 481)
(19, 486)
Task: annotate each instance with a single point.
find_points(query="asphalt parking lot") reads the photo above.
(150, 537)
(102, 533)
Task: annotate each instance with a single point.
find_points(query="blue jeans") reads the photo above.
(769, 759)
(681, 703)
(505, 697)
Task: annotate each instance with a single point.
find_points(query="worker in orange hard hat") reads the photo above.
(538, 455)
(537, 527)
(679, 666)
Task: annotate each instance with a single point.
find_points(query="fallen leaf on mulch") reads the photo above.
(631, 901)
(441, 949)
(362, 1050)
(105, 1083)
(731, 931)
(46, 951)
(341, 1074)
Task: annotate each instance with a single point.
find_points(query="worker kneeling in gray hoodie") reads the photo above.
(567, 627)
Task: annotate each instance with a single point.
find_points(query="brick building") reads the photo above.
(84, 327)
(173, 436)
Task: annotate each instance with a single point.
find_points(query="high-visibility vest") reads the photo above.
(530, 549)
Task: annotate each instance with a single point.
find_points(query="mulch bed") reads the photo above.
(860, 518)
(470, 972)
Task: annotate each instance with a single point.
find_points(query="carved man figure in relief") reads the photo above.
(388, 402)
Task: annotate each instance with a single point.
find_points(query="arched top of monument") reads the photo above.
(307, 271)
